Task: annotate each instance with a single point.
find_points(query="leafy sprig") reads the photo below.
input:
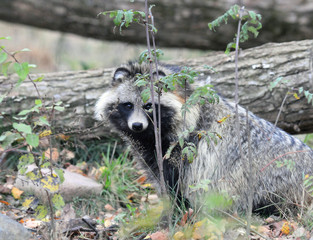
(252, 24)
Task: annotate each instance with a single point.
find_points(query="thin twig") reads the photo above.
(158, 77)
(280, 156)
(237, 123)
(278, 115)
(53, 231)
(250, 179)
(157, 140)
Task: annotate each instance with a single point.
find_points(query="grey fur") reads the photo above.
(221, 163)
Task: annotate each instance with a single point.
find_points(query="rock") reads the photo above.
(74, 185)
(10, 229)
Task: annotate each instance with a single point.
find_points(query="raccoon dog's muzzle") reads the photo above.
(138, 120)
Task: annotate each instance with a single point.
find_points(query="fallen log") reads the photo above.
(258, 67)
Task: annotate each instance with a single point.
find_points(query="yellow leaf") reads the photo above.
(45, 133)
(147, 185)
(179, 236)
(285, 228)
(296, 96)
(223, 119)
(30, 202)
(16, 193)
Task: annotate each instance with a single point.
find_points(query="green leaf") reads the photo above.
(10, 138)
(300, 90)
(41, 212)
(274, 84)
(60, 174)
(44, 121)
(229, 47)
(24, 112)
(145, 95)
(25, 50)
(38, 102)
(59, 108)
(252, 14)
(45, 165)
(3, 57)
(128, 17)
(141, 83)
(32, 140)
(153, 28)
(21, 127)
(4, 68)
(32, 65)
(310, 97)
(2, 137)
(118, 19)
(58, 201)
(2, 97)
(141, 13)
(39, 79)
(112, 14)
(22, 71)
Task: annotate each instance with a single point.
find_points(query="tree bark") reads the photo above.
(181, 23)
(257, 68)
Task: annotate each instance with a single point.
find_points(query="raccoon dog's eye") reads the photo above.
(148, 106)
(128, 105)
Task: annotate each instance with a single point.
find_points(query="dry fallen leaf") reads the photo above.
(31, 223)
(16, 193)
(141, 179)
(63, 137)
(55, 154)
(67, 154)
(75, 169)
(108, 207)
(186, 216)
(5, 189)
(159, 236)
(4, 202)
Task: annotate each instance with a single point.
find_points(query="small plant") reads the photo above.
(252, 24)
(29, 127)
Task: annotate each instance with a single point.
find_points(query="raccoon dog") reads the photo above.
(219, 162)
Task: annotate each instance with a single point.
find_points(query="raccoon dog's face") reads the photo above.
(122, 105)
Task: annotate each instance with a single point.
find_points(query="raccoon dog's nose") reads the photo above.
(137, 126)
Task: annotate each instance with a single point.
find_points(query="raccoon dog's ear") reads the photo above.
(119, 75)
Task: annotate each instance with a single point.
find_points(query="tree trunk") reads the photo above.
(257, 68)
(181, 23)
